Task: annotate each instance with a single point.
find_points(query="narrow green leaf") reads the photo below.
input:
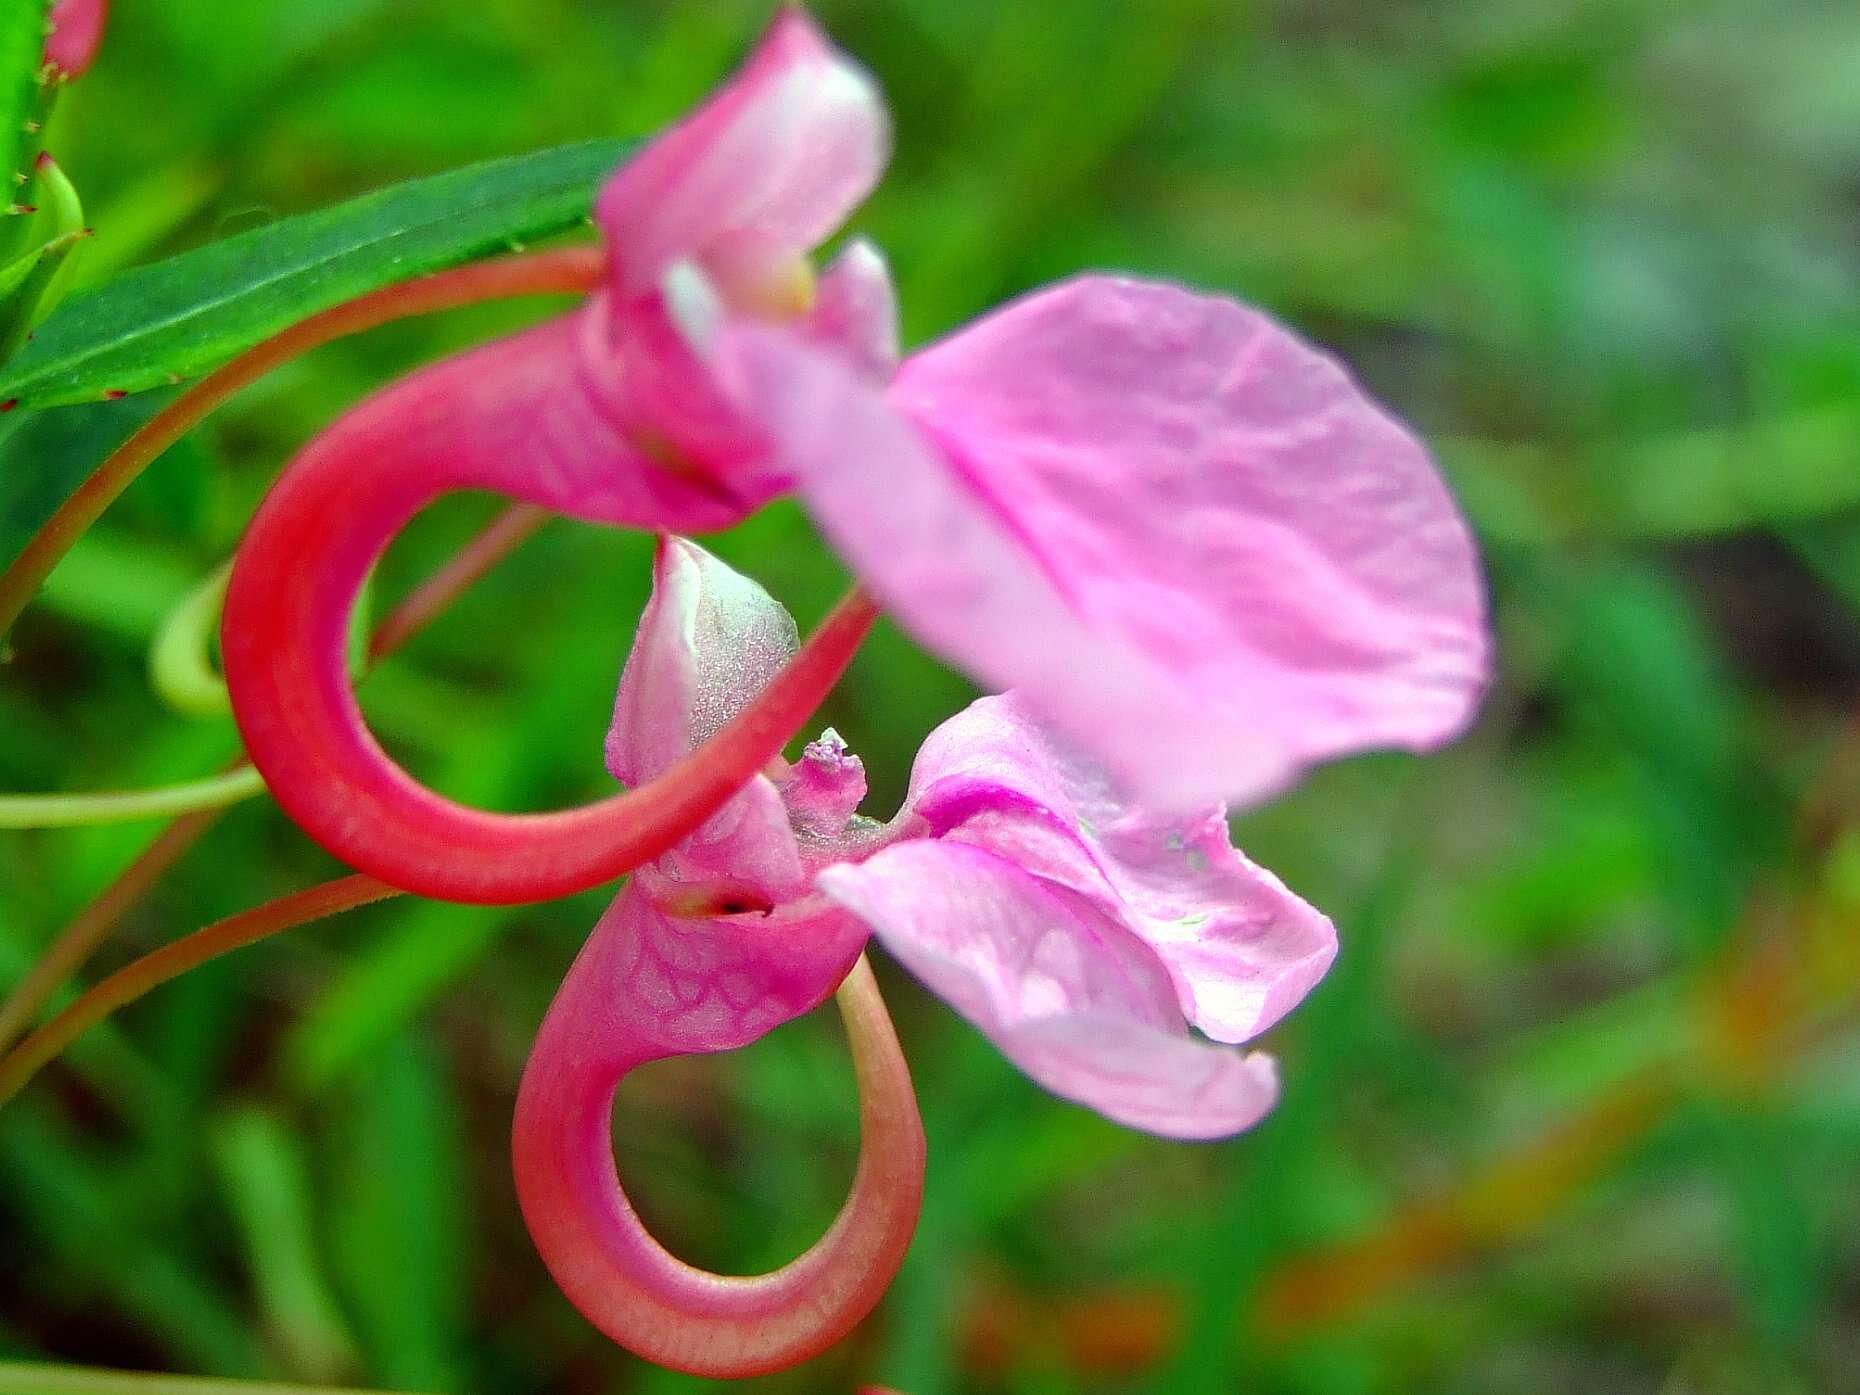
(184, 316)
(401, 1228)
(267, 1181)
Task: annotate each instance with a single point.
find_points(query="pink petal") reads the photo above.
(710, 640)
(825, 787)
(676, 984)
(856, 310)
(662, 395)
(657, 381)
(525, 416)
(769, 166)
(77, 31)
(1079, 1004)
(1241, 949)
(1185, 535)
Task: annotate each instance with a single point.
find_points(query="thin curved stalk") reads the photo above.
(172, 960)
(122, 806)
(81, 938)
(655, 1304)
(180, 666)
(558, 272)
(422, 605)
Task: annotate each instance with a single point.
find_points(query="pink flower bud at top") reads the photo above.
(77, 30)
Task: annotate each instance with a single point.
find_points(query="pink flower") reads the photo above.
(1084, 936)
(1184, 537)
(77, 30)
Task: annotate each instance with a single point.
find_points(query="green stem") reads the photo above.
(22, 1378)
(180, 663)
(170, 801)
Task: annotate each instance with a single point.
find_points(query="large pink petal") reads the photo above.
(1241, 949)
(1187, 536)
(1079, 1004)
(764, 170)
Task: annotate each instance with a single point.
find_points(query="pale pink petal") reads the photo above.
(1078, 1003)
(1241, 949)
(762, 172)
(77, 31)
(1185, 535)
(856, 310)
(690, 983)
(710, 640)
(657, 379)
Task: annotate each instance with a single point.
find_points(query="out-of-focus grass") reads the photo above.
(1603, 252)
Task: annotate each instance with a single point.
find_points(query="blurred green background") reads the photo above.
(1578, 1108)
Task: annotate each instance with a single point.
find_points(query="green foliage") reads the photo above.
(22, 105)
(190, 313)
(1601, 251)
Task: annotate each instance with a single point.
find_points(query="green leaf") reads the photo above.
(266, 1176)
(189, 314)
(401, 1219)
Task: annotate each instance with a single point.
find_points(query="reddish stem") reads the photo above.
(173, 960)
(81, 938)
(628, 1285)
(424, 604)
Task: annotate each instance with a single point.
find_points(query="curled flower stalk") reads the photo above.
(284, 645)
(599, 1250)
(1085, 937)
(80, 939)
